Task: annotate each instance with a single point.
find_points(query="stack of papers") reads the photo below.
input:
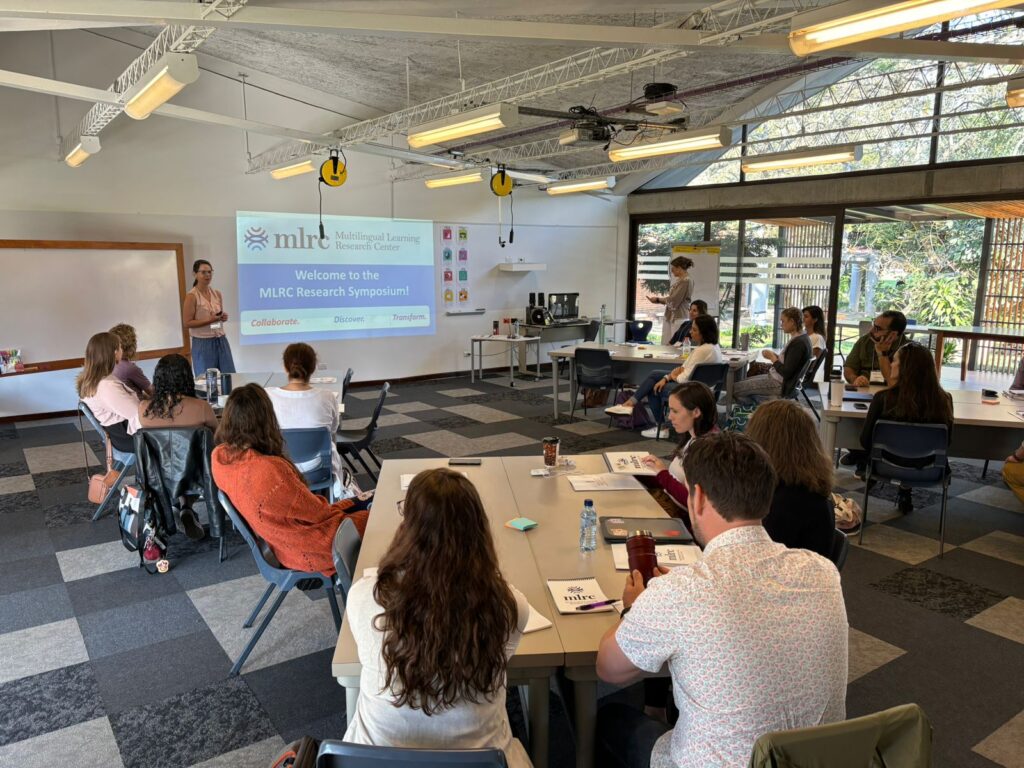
(536, 621)
(608, 481)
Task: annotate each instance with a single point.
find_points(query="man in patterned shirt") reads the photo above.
(754, 634)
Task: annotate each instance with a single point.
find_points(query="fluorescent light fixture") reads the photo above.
(682, 141)
(539, 178)
(583, 185)
(1015, 92)
(665, 108)
(843, 153)
(482, 120)
(453, 180)
(86, 147)
(856, 20)
(171, 73)
(294, 169)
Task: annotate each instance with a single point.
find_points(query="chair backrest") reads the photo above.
(864, 327)
(309, 449)
(637, 330)
(816, 363)
(798, 383)
(269, 566)
(594, 368)
(342, 754)
(372, 427)
(591, 332)
(86, 411)
(900, 736)
(913, 453)
(840, 548)
(345, 551)
(345, 382)
(712, 374)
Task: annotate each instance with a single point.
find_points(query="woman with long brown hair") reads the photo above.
(250, 465)
(114, 405)
(801, 515)
(914, 396)
(435, 628)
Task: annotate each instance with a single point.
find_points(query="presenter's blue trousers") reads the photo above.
(212, 353)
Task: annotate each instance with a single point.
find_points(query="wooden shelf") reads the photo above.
(522, 266)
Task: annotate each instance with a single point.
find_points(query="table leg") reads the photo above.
(585, 700)
(966, 353)
(351, 699)
(554, 386)
(472, 361)
(538, 361)
(940, 340)
(828, 434)
(511, 372)
(539, 718)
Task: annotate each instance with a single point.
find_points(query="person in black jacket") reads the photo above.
(786, 365)
(915, 396)
(697, 307)
(802, 514)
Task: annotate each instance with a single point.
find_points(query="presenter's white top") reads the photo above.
(303, 409)
(378, 721)
(207, 308)
(705, 353)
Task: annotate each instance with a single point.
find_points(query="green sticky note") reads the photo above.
(521, 524)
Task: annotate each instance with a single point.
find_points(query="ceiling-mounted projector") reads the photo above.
(584, 131)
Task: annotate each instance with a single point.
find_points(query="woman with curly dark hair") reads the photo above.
(435, 628)
(174, 404)
(251, 466)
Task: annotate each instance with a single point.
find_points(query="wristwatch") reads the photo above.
(624, 611)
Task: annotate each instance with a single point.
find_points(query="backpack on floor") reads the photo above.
(299, 754)
(638, 419)
(737, 421)
(135, 522)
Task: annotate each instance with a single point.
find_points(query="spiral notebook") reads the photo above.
(569, 594)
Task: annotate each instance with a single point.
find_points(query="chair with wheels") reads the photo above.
(342, 754)
(345, 552)
(899, 736)
(351, 442)
(309, 448)
(593, 371)
(914, 455)
(840, 549)
(277, 575)
(637, 330)
(123, 461)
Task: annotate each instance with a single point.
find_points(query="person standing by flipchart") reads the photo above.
(680, 294)
(204, 316)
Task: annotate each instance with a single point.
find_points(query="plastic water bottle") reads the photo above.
(686, 347)
(588, 527)
(600, 331)
(212, 379)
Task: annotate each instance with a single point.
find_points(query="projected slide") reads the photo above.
(369, 277)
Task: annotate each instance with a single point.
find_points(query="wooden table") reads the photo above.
(641, 360)
(555, 506)
(539, 653)
(969, 335)
(988, 432)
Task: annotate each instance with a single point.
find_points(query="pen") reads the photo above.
(589, 606)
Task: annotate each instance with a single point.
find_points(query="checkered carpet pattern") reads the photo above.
(102, 664)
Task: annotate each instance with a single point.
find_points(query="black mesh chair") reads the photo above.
(352, 442)
(345, 384)
(801, 382)
(915, 456)
(712, 374)
(589, 335)
(637, 330)
(593, 371)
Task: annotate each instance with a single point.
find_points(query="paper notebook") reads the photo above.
(628, 463)
(669, 555)
(604, 482)
(536, 621)
(569, 594)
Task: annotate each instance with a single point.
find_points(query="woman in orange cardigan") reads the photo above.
(251, 467)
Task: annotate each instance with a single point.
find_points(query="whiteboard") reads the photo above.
(704, 271)
(60, 296)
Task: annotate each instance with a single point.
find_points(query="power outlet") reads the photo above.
(466, 354)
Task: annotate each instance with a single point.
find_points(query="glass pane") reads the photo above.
(728, 233)
(652, 251)
(726, 170)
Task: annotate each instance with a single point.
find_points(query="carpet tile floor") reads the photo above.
(102, 664)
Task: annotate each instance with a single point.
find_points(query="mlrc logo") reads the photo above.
(256, 238)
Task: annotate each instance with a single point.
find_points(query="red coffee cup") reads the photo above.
(642, 555)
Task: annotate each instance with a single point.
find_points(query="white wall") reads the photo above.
(171, 181)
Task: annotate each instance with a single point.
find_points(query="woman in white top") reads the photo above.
(114, 405)
(204, 316)
(298, 405)
(814, 325)
(704, 333)
(679, 296)
(435, 628)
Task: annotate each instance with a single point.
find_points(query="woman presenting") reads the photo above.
(204, 316)
(677, 303)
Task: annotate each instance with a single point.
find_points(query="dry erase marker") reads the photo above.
(590, 606)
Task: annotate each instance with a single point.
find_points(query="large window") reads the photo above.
(653, 247)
